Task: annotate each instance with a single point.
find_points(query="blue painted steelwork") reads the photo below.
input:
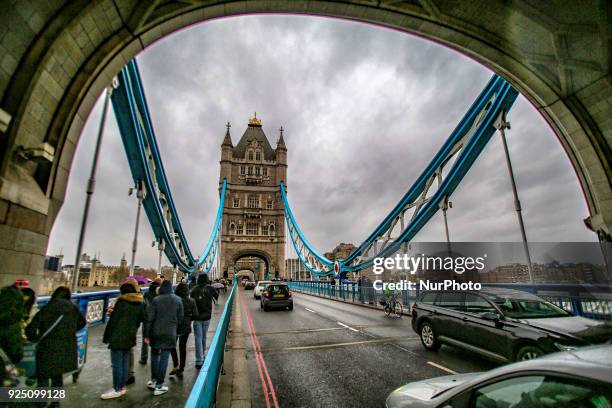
(317, 264)
(459, 151)
(204, 391)
(207, 259)
(144, 158)
(146, 166)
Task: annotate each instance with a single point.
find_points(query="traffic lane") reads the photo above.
(375, 324)
(366, 319)
(313, 363)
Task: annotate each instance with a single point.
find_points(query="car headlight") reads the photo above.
(565, 347)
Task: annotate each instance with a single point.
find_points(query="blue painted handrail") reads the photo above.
(94, 315)
(204, 391)
(210, 252)
(587, 300)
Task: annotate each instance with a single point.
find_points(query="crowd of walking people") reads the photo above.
(165, 316)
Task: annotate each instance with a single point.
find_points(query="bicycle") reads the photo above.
(393, 306)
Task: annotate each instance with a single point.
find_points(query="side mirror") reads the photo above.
(491, 316)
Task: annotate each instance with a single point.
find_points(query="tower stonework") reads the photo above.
(253, 230)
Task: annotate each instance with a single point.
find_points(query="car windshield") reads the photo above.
(262, 284)
(277, 289)
(529, 308)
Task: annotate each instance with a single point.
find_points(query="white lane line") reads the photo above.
(348, 327)
(441, 367)
(310, 310)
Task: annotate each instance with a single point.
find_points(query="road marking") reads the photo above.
(348, 327)
(333, 345)
(310, 310)
(268, 389)
(298, 331)
(441, 367)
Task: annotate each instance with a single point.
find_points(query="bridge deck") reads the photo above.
(96, 376)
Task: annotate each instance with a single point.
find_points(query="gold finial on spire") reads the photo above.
(254, 121)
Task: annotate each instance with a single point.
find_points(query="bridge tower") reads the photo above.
(253, 230)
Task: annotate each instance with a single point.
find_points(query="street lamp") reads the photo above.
(141, 193)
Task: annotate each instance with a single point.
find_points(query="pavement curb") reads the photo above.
(235, 386)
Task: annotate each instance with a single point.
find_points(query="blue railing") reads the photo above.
(204, 391)
(592, 301)
(93, 305)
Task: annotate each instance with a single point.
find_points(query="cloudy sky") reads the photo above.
(364, 109)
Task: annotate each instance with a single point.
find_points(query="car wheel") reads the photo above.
(290, 307)
(428, 337)
(528, 353)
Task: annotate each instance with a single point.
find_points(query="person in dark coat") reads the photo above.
(203, 294)
(56, 353)
(120, 334)
(148, 298)
(184, 329)
(163, 317)
(11, 343)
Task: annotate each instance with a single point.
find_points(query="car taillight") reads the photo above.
(288, 293)
(266, 293)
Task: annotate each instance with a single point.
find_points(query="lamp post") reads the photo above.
(141, 193)
(161, 246)
(91, 184)
(502, 125)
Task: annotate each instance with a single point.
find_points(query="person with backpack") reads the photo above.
(184, 329)
(148, 298)
(203, 294)
(54, 329)
(163, 317)
(120, 334)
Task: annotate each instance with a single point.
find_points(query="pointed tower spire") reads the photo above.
(281, 141)
(227, 140)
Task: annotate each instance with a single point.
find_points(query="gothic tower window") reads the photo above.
(239, 230)
(232, 228)
(264, 230)
(253, 201)
(258, 155)
(269, 204)
(252, 228)
(257, 171)
(265, 171)
(250, 155)
(272, 230)
(236, 202)
(250, 170)
(242, 170)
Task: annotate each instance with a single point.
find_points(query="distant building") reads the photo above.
(296, 270)
(341, 251)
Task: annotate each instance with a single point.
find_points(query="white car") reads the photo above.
(261, 285)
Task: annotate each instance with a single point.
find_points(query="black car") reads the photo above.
(502, 324)
(276, 295)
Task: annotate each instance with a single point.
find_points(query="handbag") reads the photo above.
(28, 362)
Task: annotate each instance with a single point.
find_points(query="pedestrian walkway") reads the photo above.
(96, 376)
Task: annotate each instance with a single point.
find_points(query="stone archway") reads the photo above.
(254, 260)
(58, 57)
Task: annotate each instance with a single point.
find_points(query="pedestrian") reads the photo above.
(203, 294)
(54, 329)
(120, 334)
(11, 341)
(163, 317)
(148, 298)
(332, 284)
(184, 329)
